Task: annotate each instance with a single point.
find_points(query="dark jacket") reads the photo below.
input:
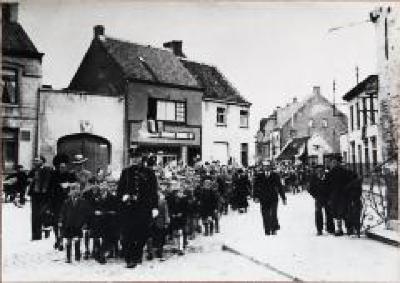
(273, 187)
(318, 189)
(43, 180)
(74, 214)
(140, 183)
(21, 181)
(58, 194)
(208, 202)
(337, 181)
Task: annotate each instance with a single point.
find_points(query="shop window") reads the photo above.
(10, 86)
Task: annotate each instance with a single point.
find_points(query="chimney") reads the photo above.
(176, 47)
(9, 12)
(98, 31)
(316, 90)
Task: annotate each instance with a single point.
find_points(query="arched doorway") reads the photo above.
(97, 149)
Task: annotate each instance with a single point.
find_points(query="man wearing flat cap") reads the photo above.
(138, 192)
(39, 178)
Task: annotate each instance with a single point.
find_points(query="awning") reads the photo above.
(294, 148)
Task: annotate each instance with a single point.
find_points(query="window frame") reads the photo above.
(246, 116)
(224, 115)
(324, 123)
(176, 103)
(352, 117)
(15, 72)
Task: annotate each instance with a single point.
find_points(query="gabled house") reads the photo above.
(21, 79)
(306, 131)
(225, 118)
(162, 112)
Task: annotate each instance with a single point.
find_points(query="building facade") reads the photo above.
(308, 129)
(387, 24)
(162, 112)
(21, 80)
(226, 135)
(360, 146)
(74, 123)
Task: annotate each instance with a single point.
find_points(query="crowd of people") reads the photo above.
(95, 215)
(152, 206)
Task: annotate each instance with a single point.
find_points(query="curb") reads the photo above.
(264, 264)
(382, 239)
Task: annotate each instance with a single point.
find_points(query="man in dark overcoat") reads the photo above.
(337, 181)
(138, 192)
(39, 177)
(320, 193)
(242, 190)
(270, 187)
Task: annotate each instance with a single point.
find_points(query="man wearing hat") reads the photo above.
(39, 178)
(138, 192)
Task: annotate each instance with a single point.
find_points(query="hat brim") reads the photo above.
(80, 161)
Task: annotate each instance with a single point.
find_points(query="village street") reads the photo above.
(296, 252)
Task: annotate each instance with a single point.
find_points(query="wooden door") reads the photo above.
(95, 148)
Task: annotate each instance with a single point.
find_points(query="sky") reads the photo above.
(270, 51)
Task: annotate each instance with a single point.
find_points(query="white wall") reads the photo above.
(61, 114)
(232, 134)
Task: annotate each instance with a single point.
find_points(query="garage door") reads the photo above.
(220, 152)
(95, 148)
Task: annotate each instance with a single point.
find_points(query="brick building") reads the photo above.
(310, 129)
(21, 80)
(162, 111)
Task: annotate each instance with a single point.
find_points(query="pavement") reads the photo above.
(296, 253)
(300, 254)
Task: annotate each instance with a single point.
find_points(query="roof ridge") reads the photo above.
(136, 43)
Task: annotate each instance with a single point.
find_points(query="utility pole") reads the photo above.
(357, 74)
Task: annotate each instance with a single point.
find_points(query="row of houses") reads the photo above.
(123, 95)
(366, 135)
(302, 131)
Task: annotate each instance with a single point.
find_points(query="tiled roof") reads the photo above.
(15, 41)
(370, 83)
(215, 85)
(148, 63)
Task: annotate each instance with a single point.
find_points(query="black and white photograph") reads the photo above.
(200, 141)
